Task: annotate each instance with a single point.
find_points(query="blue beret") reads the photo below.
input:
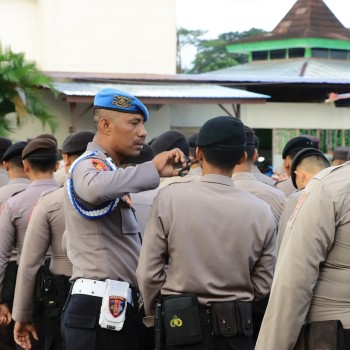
(14, 151)
(121, 101)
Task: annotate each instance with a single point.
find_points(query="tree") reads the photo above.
(19, 90)
(185, 38)
(212, 54)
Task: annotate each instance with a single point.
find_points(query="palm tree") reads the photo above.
(20, 81)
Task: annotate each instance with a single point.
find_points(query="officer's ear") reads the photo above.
(255, 155)
(25, 165)
(6, 165)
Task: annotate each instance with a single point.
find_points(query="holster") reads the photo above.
(321, 335)
(231, 318)
(181, 319)
(9, 284)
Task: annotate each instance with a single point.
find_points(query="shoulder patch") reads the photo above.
(99, 165)
(300, 202)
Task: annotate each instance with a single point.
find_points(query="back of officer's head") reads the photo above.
(340, 155)
(222, 141)
(13, 155)
(169, 140)
(75, 144)
(41, 154)
(250, 143)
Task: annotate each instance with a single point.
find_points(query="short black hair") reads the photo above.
(224, 159)
(16, 162)
(43, 164)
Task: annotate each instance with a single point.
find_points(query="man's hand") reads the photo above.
(165, 162)
(5, 315)
(22, 333)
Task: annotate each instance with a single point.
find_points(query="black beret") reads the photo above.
(222, 133)
(169, 140)
(315, 141)
(341, 153)
(304, 153)
(249, 137)
(47, 136)
(256, 142)
(76, 143)
(296, 144)
(14, 151)
(192, 140)
(39, 148)
(146, 155)
(4, 145)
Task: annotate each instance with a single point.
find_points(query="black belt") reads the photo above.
(204, 315)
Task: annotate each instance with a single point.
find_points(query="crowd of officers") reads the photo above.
(175, 244)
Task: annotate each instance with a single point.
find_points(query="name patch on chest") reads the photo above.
(99, 165)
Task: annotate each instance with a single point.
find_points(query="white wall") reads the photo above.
(111, 36)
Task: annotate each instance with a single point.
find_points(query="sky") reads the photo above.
(221, 16)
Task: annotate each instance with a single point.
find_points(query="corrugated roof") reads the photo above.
(160, 91)
(296, 70)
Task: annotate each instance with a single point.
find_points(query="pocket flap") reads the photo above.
(81, 321)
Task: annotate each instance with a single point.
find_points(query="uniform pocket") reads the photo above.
(81, 321)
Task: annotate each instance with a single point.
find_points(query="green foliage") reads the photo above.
(19, 90)
(212, 54)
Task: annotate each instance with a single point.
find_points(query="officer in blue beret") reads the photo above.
(104, 309)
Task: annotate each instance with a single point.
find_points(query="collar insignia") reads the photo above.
(122, 101)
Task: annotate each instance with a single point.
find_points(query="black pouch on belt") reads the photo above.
(224, 319)
(181, 319)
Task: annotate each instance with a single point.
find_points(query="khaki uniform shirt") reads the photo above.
(45, 229)
(193, 175)
(262, 177)
(312, 275)
(106, 247)
(142, 203)
(14, 186)
(4, 179)
(269, 194)
(286, 186)
(14, 220)
(197, 229)
(287, 212)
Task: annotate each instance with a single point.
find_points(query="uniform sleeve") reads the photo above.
(7, 241)
(262, 273)
(97, 187)
(35, 246)
(150, 271)
(308, 238)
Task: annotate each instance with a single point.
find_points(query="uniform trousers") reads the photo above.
(81, 331)
(7, 341)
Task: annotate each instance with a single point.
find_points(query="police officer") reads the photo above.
(306, 164)
(340, 155)
(311, 281)
(45, 230)
(291, 148)
(18, 181)
(245, 179)
(12, 162)
(4, 145)
(102, 233)
(39, 162)
(224, 260)
(142, 201)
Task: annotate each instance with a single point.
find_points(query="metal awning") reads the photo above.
(161, 93)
